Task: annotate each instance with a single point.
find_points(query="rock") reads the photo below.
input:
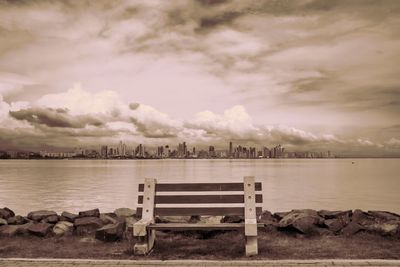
(3, 222)
(40, 229)
(87, 225)
(327, 214)
(89, 213)
(67, 216)
(337, 219)
(112, 215)
(232, 219)
(304, 221)
(309, 212)
(111, 232)
(266, 217)
(9, 230)
(194, 219)
(384, 215)
(280, 215)
(40, 215)
(323, 231)
(51, 219)
(129, 222)
(390, 228)
(306, 224)
(23, 228)
(359, 216)
(172, 219)
(63, 228)
(351, 229)
(6, 213)
(17, 220)
(269, 221)
(12, 230)
(106, 219)
(125, 212)
(210, 219)
(335, 225)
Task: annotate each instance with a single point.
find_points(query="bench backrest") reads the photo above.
(185, 199)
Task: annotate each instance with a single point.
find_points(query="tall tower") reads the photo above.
(184, 150)
(230, 149)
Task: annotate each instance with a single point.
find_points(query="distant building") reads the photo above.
(211, 152)
(104, 152)
(4, 155)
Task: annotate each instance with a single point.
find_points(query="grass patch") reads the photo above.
(228, 245)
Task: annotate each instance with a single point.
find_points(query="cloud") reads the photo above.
(153, 123)
(80, 101)
(295, 66)
(57, 121)
(235, 123)
(55, 118)
(393, 143)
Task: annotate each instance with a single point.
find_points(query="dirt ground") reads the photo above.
(229, 245)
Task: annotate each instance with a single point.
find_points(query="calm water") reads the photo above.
(73, 185)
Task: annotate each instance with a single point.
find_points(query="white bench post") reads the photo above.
(146, 237)
(250, 228)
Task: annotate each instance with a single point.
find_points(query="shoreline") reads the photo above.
(297, 234)
(233, 159)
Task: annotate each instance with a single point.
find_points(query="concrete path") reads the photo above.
(181, 263)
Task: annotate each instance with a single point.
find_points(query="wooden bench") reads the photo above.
(199, 199)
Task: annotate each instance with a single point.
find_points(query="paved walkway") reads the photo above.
(181, 263)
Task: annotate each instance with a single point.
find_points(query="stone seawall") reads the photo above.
(117, 225)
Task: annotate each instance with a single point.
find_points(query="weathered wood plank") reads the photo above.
(176, 187)
(149, 196)
(198, 211)
(198, 226)
(250, 207)
(145, 236)
(194, 199)
(195, 226)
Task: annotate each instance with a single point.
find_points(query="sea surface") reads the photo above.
(74, 185)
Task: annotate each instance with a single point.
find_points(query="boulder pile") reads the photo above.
(45, 223)
(326, 222)
(117, 225)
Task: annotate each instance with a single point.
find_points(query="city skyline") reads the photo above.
(309, 75)
(180, 151)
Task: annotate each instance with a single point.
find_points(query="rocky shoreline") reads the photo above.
(117, 225)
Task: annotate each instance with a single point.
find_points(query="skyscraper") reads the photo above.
(104, 152)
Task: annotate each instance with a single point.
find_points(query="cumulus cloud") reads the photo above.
(235, 122)
(57, 117)
(80, 101)
(153, 123)
(393, 142)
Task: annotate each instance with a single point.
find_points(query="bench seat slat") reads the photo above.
(176, 187)
(194, 199)
(198, 226)
(220, 211)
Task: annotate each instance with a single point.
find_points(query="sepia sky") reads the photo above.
(310, 75)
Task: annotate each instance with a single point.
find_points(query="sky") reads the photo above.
(311, 75)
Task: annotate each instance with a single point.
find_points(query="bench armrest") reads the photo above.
(140, 227)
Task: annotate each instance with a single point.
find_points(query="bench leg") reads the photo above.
(145, 244)
(251, 245)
